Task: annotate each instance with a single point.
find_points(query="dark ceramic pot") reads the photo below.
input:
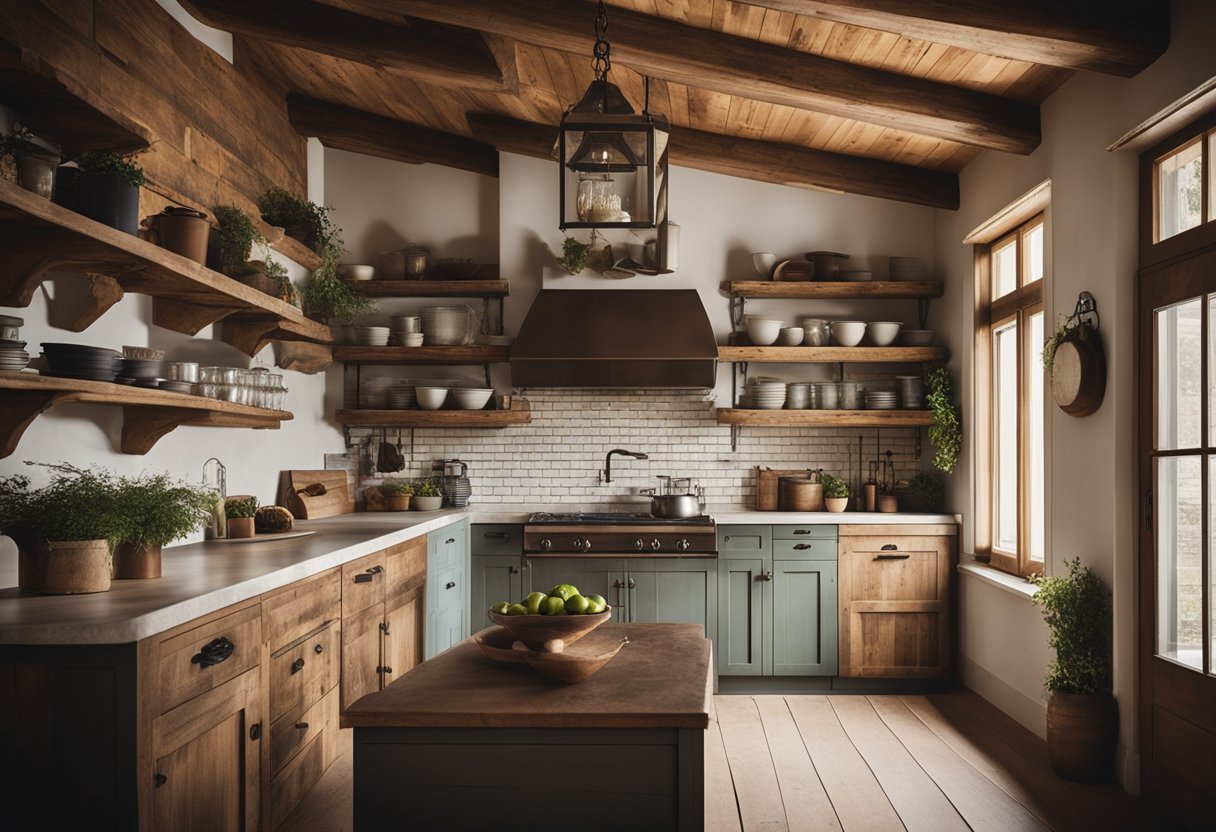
(109, 199)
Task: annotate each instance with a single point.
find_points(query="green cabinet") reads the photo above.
(672, 590)
(494, 578)
(739, 643)
(447, 587)
(592, 576)
(804, 618)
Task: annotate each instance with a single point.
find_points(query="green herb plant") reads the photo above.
(396, 488)
(305, 221)
(77, 504)
(833, 486)
(574, 255)
(238, 507)
(1076, 608)
(156, 509)
(946, 430)
(924, 490)
(100, 162)
(428, 488)
(233, 240)
(325, 295)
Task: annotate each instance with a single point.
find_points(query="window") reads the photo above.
(1184, 191)
(1010, 472)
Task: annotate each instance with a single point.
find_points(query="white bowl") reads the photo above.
(790, 336)
(763, 332)
(764, 262)
(472, 398)
(410, 339)
(372, 336)
(431, 398)
(883, 333)
(848, 333)
(357, 272)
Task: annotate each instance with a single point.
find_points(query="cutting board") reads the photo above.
(336, 500)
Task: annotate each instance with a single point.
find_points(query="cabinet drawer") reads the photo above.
(807, 531)
(446, 548)
(303, 771)
(903, 575)
(194, 662)
(449, 588)
(292, 613)
(406, 566)
(363, 583)
(296, 729)
(303, 672)
(804, 549)
(496, 539)
(754, 540)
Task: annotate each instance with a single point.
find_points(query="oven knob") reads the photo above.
(583, 545)
(655, 544)
(682, 545)
(546, 544)
(639, 545)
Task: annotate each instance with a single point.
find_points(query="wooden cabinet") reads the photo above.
(895, 590)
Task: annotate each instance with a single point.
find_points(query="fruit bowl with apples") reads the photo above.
(549, 622)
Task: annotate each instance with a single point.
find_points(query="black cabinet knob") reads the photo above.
(255, 731)
(303, 726)
(319, 649)
(160, 779)
(297, 665)
(213, 652)
(450, 585)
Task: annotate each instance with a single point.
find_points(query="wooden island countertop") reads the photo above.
(661, 679)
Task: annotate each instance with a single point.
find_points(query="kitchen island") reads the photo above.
(463, 742)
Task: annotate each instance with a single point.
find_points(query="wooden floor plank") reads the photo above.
(859, 801)
(329, 806)
(985, 806)
(919, 802)
(807, 807)
(751, 765)
(721, 810)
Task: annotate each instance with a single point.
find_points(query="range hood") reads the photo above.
(615, 338)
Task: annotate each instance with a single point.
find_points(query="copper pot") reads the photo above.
(135, 562)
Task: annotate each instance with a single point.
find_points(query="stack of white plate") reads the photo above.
(402, 397)
(768, 395)
(882, 400)
(13, 356)
(372, 336)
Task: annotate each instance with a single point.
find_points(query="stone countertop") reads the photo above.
(660, 679)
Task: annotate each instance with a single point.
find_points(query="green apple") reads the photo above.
(517, 609)
(564, 591)
(576, 605)
(595, 604)
(500, 608)
(552, 606)
(532, 602)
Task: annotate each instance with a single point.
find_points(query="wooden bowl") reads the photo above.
(496, 643)
(573, 665)
(550, 633)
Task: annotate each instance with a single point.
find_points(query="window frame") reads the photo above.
(1153, 249)
(1019, 306)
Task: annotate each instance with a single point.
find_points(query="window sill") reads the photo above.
(1002, 580)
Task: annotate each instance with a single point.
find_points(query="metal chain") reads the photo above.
(602, 50)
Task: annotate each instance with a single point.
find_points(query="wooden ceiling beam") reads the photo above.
(358, 131)
(711, 60)
(1117, 37)
(781, 164)
(423, 50)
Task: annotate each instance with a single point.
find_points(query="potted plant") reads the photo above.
(397, 494)
(574, 255)
(107, 189)
(64, 531)
(923, 493)
(303, 220)
(1082, 715)
(427, 496)
(240, 511)
(28, 164)
(325, 296)
(154, 510)
(229, 247)
(946, 430)
(835, 492)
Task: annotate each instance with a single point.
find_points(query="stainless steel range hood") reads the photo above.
(615, 338)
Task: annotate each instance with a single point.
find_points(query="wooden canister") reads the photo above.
(767, 482)
(800, 494)
(888, 503)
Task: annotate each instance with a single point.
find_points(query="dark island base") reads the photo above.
(584, 779)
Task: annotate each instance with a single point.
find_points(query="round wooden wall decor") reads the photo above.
(1078, 379)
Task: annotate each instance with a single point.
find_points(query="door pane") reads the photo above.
(1032, 256)
(1005, 268)
(1035, 436)
(1180, 190)
(1179, 513)
(1179, 376)
(1005, 436)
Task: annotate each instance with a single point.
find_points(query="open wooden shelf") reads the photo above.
(290, 247)
(422, 355)
(831, 355)
(38, 237)
(59, 107)
(147, 415)
(825, 418)
(379, 288)
(843, 290)
(519, 414)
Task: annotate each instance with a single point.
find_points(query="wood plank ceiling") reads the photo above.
(804, 81)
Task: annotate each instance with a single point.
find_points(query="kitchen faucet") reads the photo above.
(622, 452)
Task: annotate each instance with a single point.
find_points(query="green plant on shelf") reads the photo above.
(98, 162)
(833, 486)
(233, 239)
(238, 507)
(428, 488)
(325, 295)
(396, 488)
(574, 255)
(1076, 608)
(303, 220)
(946, 428)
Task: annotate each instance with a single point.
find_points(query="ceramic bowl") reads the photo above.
(410, 339)
(418, 503)
(372, 336)
(357, 272)
(431, 398)
(916, 337)
(883, 333)
(763, 332)
(848, 333)
(550, 633)
(790, 336)
(576, 665)
(472, 398)
(764, 262)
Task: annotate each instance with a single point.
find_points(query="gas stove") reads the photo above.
(618, 534)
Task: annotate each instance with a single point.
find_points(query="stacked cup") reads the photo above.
(407, 329)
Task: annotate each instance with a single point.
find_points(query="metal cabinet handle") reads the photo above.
(514, 570)
(384, 627)
(297, 665)
(368, 574)
(449, 541)
(802, 531)
(801, 547)
(495, 536)
(374, 570)
(319, 649)
(363, 578)
(159, 779)
(450, 585)
(633, 584)
(255, 731)
(384, 669)
(764, 576)
(303, 726)
(214, 652)
(892, 557)
(889, 547)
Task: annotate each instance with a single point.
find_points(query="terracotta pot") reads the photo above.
(240, 527)
(836, 504)
(1081, 732)
(398, 502)
(888, 503)
(67, 567)
(135, 562)
(183, 231)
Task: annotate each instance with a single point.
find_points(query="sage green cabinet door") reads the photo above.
(740, 616)
(804, 618)
(445, 629)
(673, 591)
(494, 578)
(592, 576)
